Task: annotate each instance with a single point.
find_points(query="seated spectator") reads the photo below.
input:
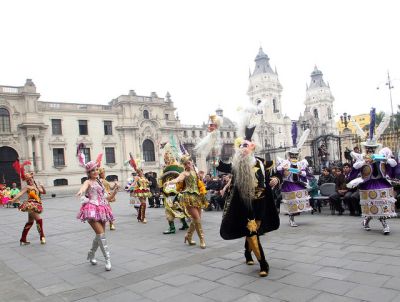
(313, 191)
(326, 177)
(352, 196)
(341, 189)
(213, 187)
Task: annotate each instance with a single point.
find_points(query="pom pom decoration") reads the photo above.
(202, 187)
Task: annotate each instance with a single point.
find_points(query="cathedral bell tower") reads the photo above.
(265, 90)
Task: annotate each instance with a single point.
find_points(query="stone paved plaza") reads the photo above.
(327, 258)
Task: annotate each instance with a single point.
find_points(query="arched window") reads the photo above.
(315, 113)
(4, 121)
(148, 151)
(146, 114)
(61, 182)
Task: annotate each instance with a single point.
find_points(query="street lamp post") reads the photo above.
(345, 119)
(390, 87)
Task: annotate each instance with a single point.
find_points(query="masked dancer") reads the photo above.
(295, 196)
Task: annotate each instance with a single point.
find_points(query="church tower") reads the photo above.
(319, 106)
(265, 89)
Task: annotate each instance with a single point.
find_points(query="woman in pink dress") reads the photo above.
(96, 210)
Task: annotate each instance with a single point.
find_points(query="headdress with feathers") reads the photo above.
(212, 141)
(20, 168)
(91, 164)
(249, 117)
(374, 136)
(297, 146)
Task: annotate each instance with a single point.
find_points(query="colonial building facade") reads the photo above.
(48, 133)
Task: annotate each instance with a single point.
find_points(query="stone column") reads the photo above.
(38, 155)
(43, 167)
(30, 155)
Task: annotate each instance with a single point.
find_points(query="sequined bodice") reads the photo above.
(96, 194)
(191, 183)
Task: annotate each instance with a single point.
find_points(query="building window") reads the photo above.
(193, 133)
(184, 133)
(228, 135)
(112, 177)
(83, 127)
(107, 127)
(234, 134)
(166, 116)
(329, 113)
(58, 157)
(201, 133)
(148, 151)
(315, 113)
(275, 106)
(221, 134)
(56, 127)
(60, 182)
(110, 155)
(4, 121)
(145, 114)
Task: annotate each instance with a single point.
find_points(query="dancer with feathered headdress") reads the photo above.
(33, 205)
(192, 197)
(140, 189)
(173, 208)
(95, 208)
(376, 192)
(249, 207)
(295, 196)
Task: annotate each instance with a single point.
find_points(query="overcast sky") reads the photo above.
(201, 51)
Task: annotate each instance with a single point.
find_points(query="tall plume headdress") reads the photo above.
(297, 146)
(372, 140)
(20, 168)
(211, 143)
(91, 165)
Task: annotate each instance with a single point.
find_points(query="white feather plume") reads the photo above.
(359, 131)
(356, 156)
(247, 115)
(382, 126)
(303, 138)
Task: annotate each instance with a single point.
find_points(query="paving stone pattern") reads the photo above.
(327, 258)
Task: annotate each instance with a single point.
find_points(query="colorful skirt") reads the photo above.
(188, 199)
(5, 200)
(377, 198)
(173, 209)
(93, 212)
(142, 193)
(31, 205)
(295, 198)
